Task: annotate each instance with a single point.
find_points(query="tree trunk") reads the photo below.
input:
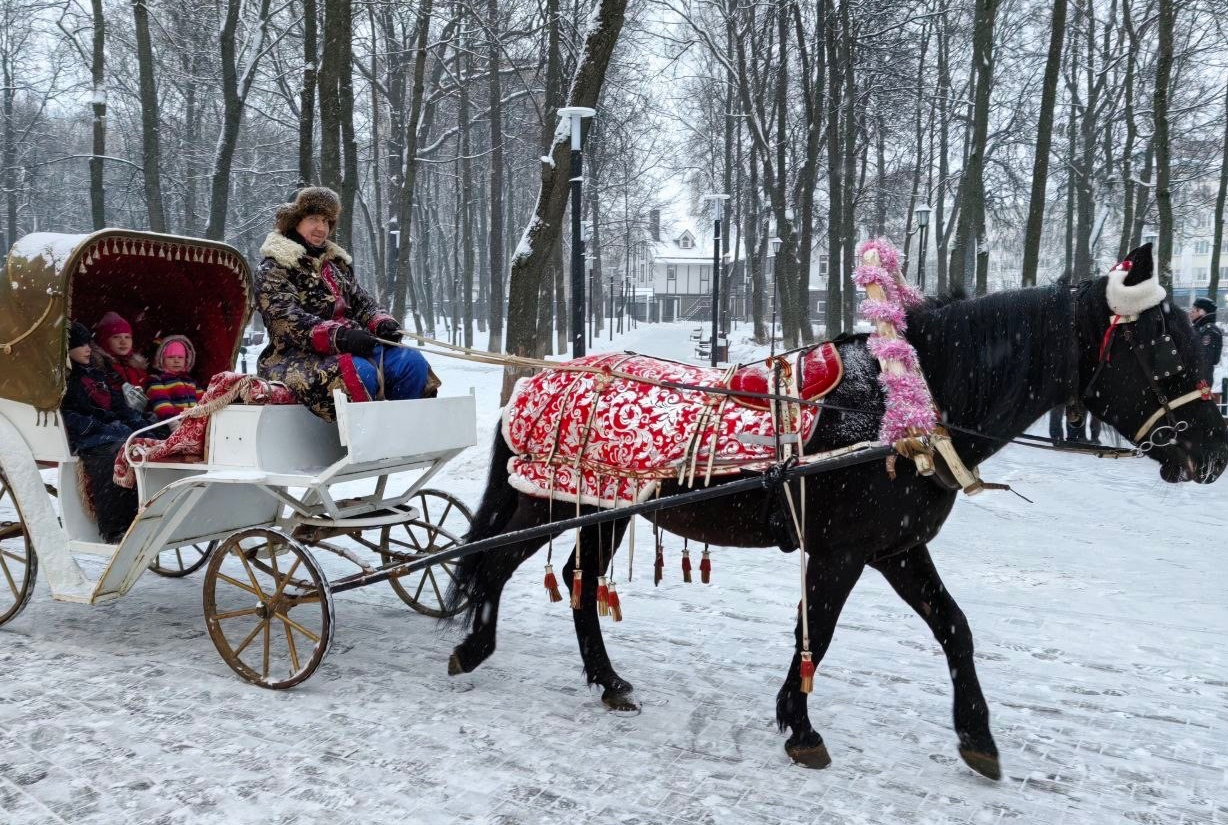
(1044, 140)
(234, 94)
(1127, 154)
(466, 191)
(542, 233)
(307, 96)
(10, 156)
(329, 90)
(98, 208)
(149, 118)
(495, 238)
(944, 141)
(848, 221)
(970, 234)
(349, 141)
(410, 144)
(1220, 195)
(1164, 195)
(1142, 197)
(834, 321)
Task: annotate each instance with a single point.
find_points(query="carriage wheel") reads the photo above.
(443, 523)
(177, 562)
(268, 608)
(18, 563)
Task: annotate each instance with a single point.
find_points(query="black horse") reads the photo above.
(995, 364)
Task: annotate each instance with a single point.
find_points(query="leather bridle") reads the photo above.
(1152, 433)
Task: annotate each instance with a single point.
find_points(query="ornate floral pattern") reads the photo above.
(610, 439)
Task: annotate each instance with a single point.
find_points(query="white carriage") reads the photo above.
(275, 482)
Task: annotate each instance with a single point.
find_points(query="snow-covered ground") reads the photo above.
(1099, 614)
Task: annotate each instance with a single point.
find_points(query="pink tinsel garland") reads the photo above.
(909, 405)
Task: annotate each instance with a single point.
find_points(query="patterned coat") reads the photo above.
(304, 301)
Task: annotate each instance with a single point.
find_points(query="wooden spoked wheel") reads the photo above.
(268, 608)
(18, 564)
(442, 523)
(177, 562)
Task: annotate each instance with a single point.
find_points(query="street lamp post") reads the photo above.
(718, 206)
(577, 115)
(923, 221)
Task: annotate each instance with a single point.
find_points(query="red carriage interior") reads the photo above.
(166, 288)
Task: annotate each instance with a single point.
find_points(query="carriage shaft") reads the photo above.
(555, 527)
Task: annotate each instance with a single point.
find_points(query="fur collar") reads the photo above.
(287, 252)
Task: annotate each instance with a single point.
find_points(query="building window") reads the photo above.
(671, 278)
(822, 266)
(686, 241)
(704, 278)
(1202, 248)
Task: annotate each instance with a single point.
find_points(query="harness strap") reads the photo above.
(1203, 393)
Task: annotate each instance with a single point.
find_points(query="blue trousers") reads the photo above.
(405, 372)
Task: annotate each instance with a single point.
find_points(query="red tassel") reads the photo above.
(807, 672)
(615, 607)
(552, 585)
(603, 598)
(686, 566)
(705, 568)
(575, 590)
(658, 567)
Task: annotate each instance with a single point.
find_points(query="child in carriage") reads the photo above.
(113, 354)
(97, 421)
(170, 387)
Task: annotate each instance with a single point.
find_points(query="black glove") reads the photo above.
(389, 330)
(355, 341)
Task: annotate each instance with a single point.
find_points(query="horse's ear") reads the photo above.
(1133, 284)
(1141, 265)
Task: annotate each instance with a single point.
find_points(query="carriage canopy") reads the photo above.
(162, 284)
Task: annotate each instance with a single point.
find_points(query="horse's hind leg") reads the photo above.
(485, 587)
(594, 556)
(828, 583)
(915, 578)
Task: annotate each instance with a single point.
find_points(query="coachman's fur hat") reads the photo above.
(312, 200)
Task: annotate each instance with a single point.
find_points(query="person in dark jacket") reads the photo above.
(1210, 336)
(324, 328)
(97, 421)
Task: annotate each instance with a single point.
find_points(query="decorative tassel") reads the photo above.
(615, 608)
(552, 585)
(603, 597)
(658, 567)
(807, 672)
(575, 590)
(686, 565)
(705, 568)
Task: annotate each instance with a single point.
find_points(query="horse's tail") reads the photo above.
(498, 505)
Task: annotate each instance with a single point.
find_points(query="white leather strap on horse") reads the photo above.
(1202, 393)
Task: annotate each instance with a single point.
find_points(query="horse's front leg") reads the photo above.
(596, 550)
(829, 580)
(914, 577)
(490, 572)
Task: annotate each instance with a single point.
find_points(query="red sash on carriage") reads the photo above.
(611, 439)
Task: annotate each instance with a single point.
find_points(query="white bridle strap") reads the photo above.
(1193, 395)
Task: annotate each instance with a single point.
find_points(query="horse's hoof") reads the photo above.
(619, 700)
(455, 668)
(983, 763)
(809, 756)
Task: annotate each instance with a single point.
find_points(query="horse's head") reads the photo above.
(1140, 371)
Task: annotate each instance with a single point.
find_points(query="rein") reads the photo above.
(447, 350)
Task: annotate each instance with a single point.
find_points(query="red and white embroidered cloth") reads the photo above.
(187, 443)
(610, 440)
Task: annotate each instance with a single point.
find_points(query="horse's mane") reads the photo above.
(988, 359)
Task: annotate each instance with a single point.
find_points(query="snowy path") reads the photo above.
(1100, 644)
